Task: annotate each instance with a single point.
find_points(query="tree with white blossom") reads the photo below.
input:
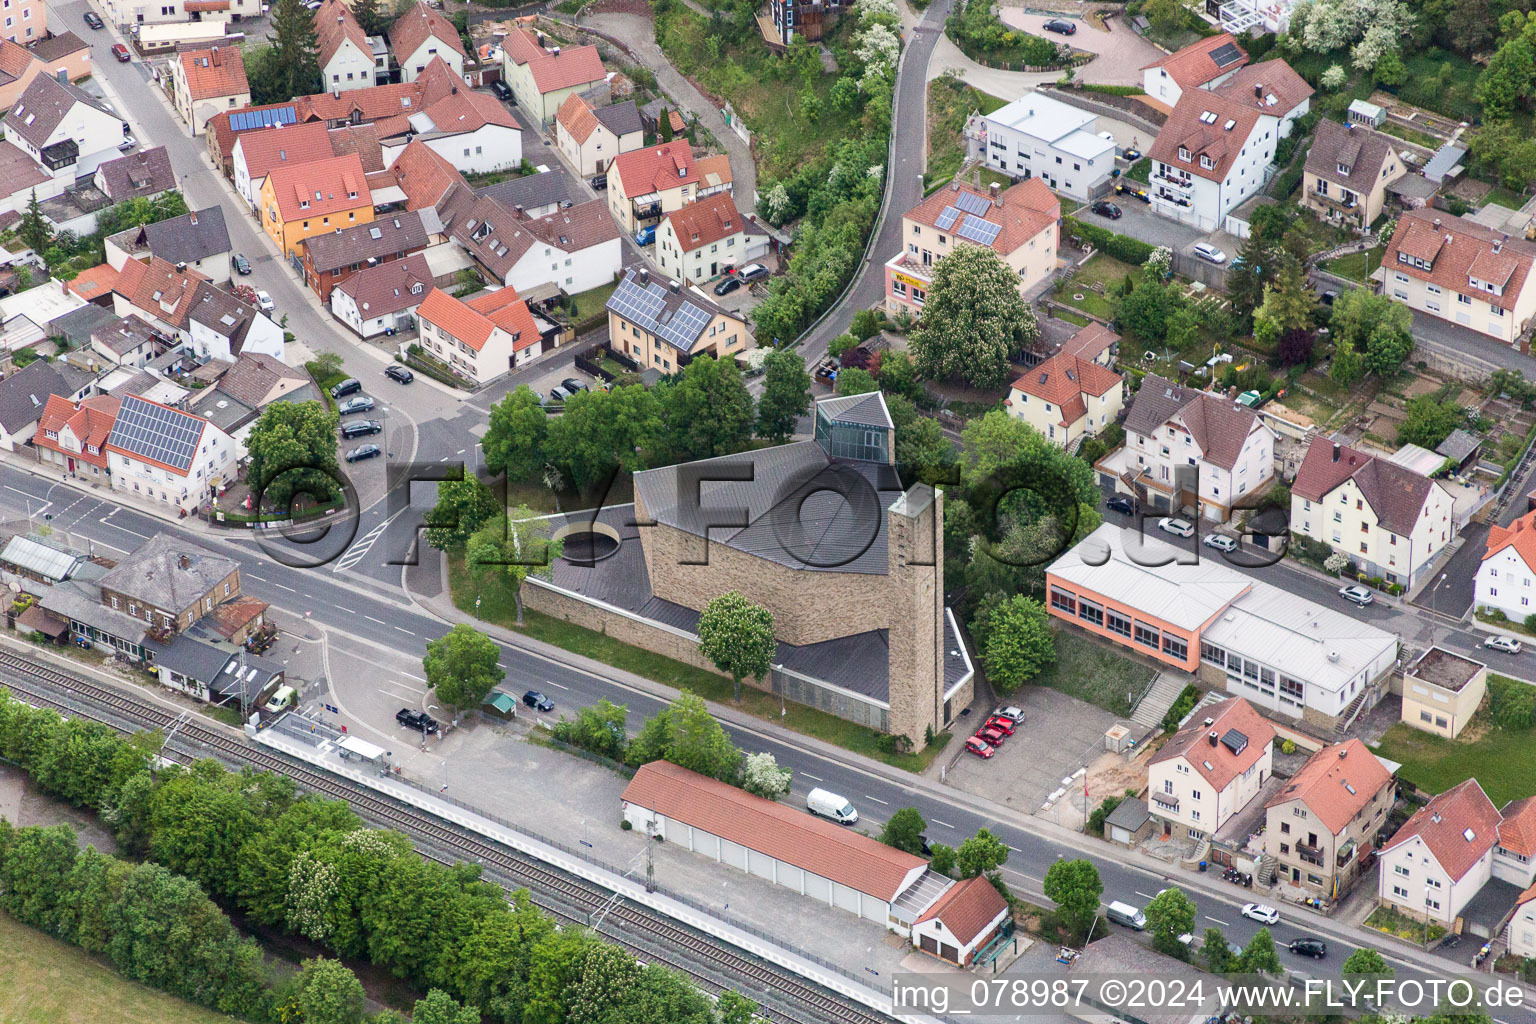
(1334, 78)
(762, 776)
(873, 8)
(878, 45)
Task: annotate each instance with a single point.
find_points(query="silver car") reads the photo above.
(1507, 644)
(1219, 541)
(1354, 592)
(1177, 527)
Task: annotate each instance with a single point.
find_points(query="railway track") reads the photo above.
(783, 996)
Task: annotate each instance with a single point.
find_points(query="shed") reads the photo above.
(1129, 823)
(1367, 113)
(961, 921)
(38, 561)
(36, 619)
(1462, 447)
(1446, 163)
(502, 705)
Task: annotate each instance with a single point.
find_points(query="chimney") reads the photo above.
(555, 51)
(676, 288)
(976, 176)
(1343, 753)
(1349, 127)
(1437, 222)
(954, 185)
(185, 561)
(645, 276)
(192, 218)
(997, 194)
(517, 211)
(181, 267)
(1211, 739)
(63, 76)
(1258, 91)
(215, 56)
(541, 39)
(1210, 722)
(1335, 453)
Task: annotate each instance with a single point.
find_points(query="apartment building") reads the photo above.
(421, 34)
(207, 82)
(314, 199)
(662, 325)
(1039, 136)
(1204, 64)
(481, 339)
(65, 131)
(543, 76)
(346, 55)
(1210, 769)
(162, 454)
(1456, 269)
(1506, 578)
(1322, 826)
(706, 239)
(1442, 856)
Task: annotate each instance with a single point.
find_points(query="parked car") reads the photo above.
(397, 372)
(264, 303)
(1507, 644)
(360, 428)
(1177, 527)
(992, 734)
(360, 403)
(1120, 503)
(1002, 722)
(1012, 713)
(502, 90)
(350, 386)
(829, 805)
(94, 20)
(1261, 912)
(752, 271)
(1105, 208)
(537, 701)
(980, 747)
(1220, 541)
(558, 394)
(1210, 253)
(1060, 26)
(240, 263)
(282, 697)
(645, 236)
(600, 183)
(572, 385)
(128, 144)
(728, 285)
(121, 53)
(363, 451)
(1314, 948)
(418, 720)
(1354, 592)
(1126, 915)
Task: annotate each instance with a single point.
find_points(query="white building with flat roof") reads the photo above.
(1040, 136)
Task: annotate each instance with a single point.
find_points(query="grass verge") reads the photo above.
(1499, 759)
(1093, 672)
(497, 606)
(1395, 922)
(1357, 266)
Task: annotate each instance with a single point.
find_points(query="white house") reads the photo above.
(162, 454)
(65, 129)
(1388, 520)
(1442, 856)
(1200, 65)
(346, 55)
(1189, 447)
(473, 131)
(1506, 579)
(220, 326)
(704, 239)
(480, 339)
(1039, 136)
(256, 153)
(381, 297)
(1067, 398)
(420, 34)
(1211, 769)
(576, 249)
(1216, 148)
(961, 921)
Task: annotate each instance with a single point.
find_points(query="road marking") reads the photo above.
(125, 529)
(1145, 896)
(290, 590)
(946, 824)
(550, 682)
(370, 618)
(339, 608)
(1218, 920)
(405, 631)
(360, 548)
(460, 451)
(808, 775)
(876, 800)
(402, 696)
(253, 576)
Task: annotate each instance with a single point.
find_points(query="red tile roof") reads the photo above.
(215, 73)
(466, 111)
(389, 287)
(1272, 87)
(641, 172)
(90, 420)
(1192, 66)
(1336, 783)
(1395, 493)
(414, 27)
(714, 170)
(574, 65)
(1522, 900)
(424, 175)
(230, 617)
(159, 289)
(1520, 535)
(1063, 380)
(289, 144)
(510, 313)
(327, 186)
(362, 139)
(576, 117)
(1517, 832)
(1458, 826)
(1090, 342)
(335, 25)
(705, 222)
(1457, 250)
(454, 317)
(1020, 212)
(93, 283)
(1204, 128)
(967, 908)
(777, 830)
(370, 104)
(1217, 764)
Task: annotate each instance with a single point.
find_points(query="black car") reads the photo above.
(537, 701)
(728, 285)
(355, 404)
(1314, 948)
(242, 265)
(350, 386)
(399, 373)
(1060, 27)
(364, 451)
(1327, 297)
(418, 720)
(572, 385)
(1104, 208)
(93, 19)
(502, 90)
(360, 428)
(1120, 503)
(600, 183)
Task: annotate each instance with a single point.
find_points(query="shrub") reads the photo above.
(1287, 746)
(625, 824)
(1121, 247)
(1530, 622)
(1181, 707)
(1101, 814)
(1511, 704)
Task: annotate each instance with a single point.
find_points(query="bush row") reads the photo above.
(1121, 247)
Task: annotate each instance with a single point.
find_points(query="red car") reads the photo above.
(992, 734)
(979, 747)
(121, 53)
(999, 722)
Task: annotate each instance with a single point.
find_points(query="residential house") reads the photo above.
(223, 129)
(424, 176)
(1021, 224)
(576, 249)
(1204, 64)
(645, 183)
(1187, 448)
(128, 341)
(249, 384)
(1522, 927)
(1514, 858)
(1215, 150)
(543, 78)
(24, 393)
(24, 59)
(330, 259)
(220, 326)
(1039, 136)
(714, 176)
(706, 239)
(362, 139)
(1442, 856)
(94, 284)
(198, 239)
(205, 82)
(1321, 827)
(1442, 691)
(1067, 398)
(170, 583)
(419, 35)
(218, 671)
(1457, 270)
(961, 921)
(130, 13)
(800, 19)
(1347, 173)
(539, 194)
(473, 131)
(480, 339)
(256, 153)
(382, 297)
(590, 138)
(1388, 520)
(23, 177)
(1505, 578)
(662, 325)
(72, 435)
(314, 199)
(346, 56)
(162, 454)
(25, 20)
(1210, 769)
(65, 129)
(146, 174)
(157, 291)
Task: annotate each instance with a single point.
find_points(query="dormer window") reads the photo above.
(1183, 154)
(303, 204)
(1343, 169)
(1207, 163)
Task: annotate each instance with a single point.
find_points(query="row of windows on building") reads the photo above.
(1246, 673)
(1100, 617)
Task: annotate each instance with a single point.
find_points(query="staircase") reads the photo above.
(1352, 712)
(1264, 871)
(1164, 691)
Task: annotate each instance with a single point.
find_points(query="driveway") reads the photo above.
(1138, 221)
(1121, 52)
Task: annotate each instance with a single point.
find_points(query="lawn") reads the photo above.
(1094, 672)
(1101, 269)
(1505, 197)
(497, 606)
(1442, 81)
(1500, 759)
(1412, 135)
(1357, 266)
(589, 304)
(950, 104)
(48, 982)
(1141, 171)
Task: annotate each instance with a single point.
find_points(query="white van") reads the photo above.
(285, 696)
(1127, 915)
(829, 805)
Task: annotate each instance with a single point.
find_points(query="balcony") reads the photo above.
(1180, 184)
(1349, 202)
(1310, 854)
(648, 211)
(1164, 802)
(1346, 854)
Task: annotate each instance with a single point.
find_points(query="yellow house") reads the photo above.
(1066, 398)
(646, 183)
(316, 198)
(663, 325)
(1441, 692)
(1347, 173)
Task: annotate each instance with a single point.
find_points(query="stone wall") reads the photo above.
(541, 598)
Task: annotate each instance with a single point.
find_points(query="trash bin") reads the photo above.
(1202, 865)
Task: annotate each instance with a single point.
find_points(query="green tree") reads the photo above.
(786, 395)
(685, 734)
(462, 666)
(463, 506)
(1288, 302)
(292, 449)
(554, 971)
(199, 822)
(598, 727)
(370, 16)
(600, 432)
(607, 975)
(1428, 422)
(1217, 951)
(904, 830)
(329, 993)
(1019, 643)
(735, 1008)
(922, 450)
(707, 410)
(511, 547)
(664, 125)
(854, 380)
(1369, 962)
(441, 1008)
(1388, 348)
(942, 859)
(1258, 956)
(514, 438)
(762, 776)
(737, 636)
(898, 376)
(265, 863)
(865, 324)
(980, 854)
(1248, 275)
(33, 228)
(1144, 312)
(1374, 326)
(1170, 915)
(1348, 365)
(295, 47)
(973, 320)
(1074, 886)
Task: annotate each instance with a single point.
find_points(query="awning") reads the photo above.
(361, 748)
(197, 6)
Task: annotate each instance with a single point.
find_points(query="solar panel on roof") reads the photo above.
(977, 230)
(1225, 54)
(947, 218)
(972, 203)
(154, 432)
(245, 120)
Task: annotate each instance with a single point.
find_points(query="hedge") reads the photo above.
(1112, 90)
(1121, 247)
(419, 361)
